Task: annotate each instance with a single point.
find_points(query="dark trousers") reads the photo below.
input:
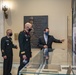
(7, 65)
(22, 64)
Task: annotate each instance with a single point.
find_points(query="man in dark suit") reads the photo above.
(25, 45)
(45, 43)
(7, 53)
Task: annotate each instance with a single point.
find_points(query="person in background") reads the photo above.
(45, 43)
(7, 53)
(25, 45)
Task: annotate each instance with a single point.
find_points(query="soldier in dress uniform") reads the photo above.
(7, 53)
(25, 45)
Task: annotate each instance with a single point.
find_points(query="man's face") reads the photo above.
(9, 32)
(28, 26)
(47, 30)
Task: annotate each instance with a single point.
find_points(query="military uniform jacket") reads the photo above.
(6, 46)
(24, 44)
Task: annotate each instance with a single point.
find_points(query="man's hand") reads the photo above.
(5, 57)
(47, 57)
(24, 57)
(16, 47)
(62, 40)
(45, 46)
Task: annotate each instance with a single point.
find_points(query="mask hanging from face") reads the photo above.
(10, 34)
(47, 33)
(29, 30)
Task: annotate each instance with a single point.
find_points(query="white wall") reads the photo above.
(57, 11)
(1, 27)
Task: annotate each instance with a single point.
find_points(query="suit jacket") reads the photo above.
(24, 44)
(51, 39)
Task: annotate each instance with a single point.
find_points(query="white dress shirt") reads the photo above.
(46, 49)
(46, 38)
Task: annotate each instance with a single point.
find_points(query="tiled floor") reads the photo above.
(14, 69)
